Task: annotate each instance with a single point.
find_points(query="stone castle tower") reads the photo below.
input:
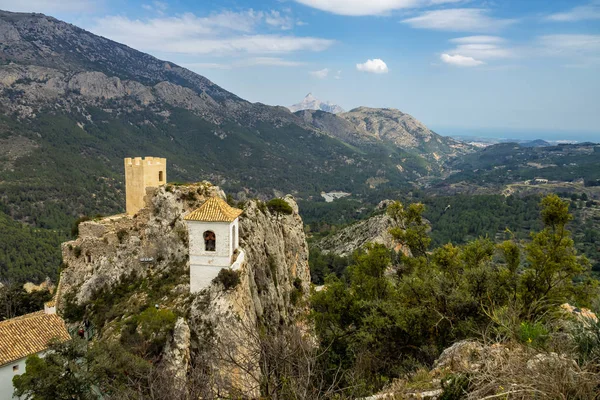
(142, 173)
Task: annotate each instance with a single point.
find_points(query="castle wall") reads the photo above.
(141, 173)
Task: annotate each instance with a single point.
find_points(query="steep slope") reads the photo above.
(104, 281)
(73, 104)
(336, 126)
(36, 39)
(310, 102)
(365, 126)
(403, 130)
(374, 229)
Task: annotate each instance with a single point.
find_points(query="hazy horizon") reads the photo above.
(521, 134)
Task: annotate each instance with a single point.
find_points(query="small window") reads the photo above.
(16, 368)
(160, 176)
(210, 241)
(88, 258)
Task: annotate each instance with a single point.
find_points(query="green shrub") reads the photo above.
(297, 291)
(147, 333)
(77, 251)
(261, 206)
(586, 336)
(455, 387)
(72, 311)
(228, 278)
(533, 333)
(279, 206)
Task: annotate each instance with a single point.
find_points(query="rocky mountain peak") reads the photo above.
(310, 102)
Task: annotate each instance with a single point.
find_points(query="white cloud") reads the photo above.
(243, 63)
(460, 61)
(483, 50)
(478, 39)
(156, 6)
(278, 20)
(160, 5)
(321, 74)
(369, 7)
(590, 11)
(223, 33)
(565, 44)
(204, 66)
(338, 75)
(482, 47)
(375, 66)
(268, 61)
(459, 20)
(50, 7)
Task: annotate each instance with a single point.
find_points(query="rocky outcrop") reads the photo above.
(335, 126)
(221, 325)
(375, 229)
(500, 370)
(310, 102)
(274, 283)
(177, 352)
(391, 125)
(148, 244)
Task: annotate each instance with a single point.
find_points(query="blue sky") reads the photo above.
(496, 68)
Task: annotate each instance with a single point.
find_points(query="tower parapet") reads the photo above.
(142, 173)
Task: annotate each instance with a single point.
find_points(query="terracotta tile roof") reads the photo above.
(214, 209)
(29, 334)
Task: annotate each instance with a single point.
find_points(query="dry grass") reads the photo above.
(523, 373)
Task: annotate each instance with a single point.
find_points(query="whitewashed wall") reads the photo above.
(7, 374)
(205, 265)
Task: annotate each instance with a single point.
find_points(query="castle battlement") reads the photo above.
(142, 161)
(140, 174)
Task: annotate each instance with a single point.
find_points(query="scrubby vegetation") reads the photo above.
(379, 324)
(15, 301)
(394, 313)
(279, 206)
(228, 278)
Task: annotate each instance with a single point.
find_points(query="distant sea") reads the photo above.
(501, 135)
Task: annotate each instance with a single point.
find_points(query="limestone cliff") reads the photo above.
(375, 229)
(152, 247)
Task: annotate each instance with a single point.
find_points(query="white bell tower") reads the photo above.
(213, 240)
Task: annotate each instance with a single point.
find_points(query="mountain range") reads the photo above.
(74, 104)
(310, 102)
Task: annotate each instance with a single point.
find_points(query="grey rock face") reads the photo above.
(177, 352)
(45, 41)
(389, 124)
(227, 323)
(111, 248)
(335, 126)
(275, 272)
(371, 230)
(310, 102)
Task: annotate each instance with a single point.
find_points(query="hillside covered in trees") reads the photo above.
(420, 323)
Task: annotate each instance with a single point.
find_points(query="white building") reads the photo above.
(23, 336)
(213, 240)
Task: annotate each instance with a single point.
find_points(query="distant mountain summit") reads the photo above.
(363, 126)
(310, 102)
